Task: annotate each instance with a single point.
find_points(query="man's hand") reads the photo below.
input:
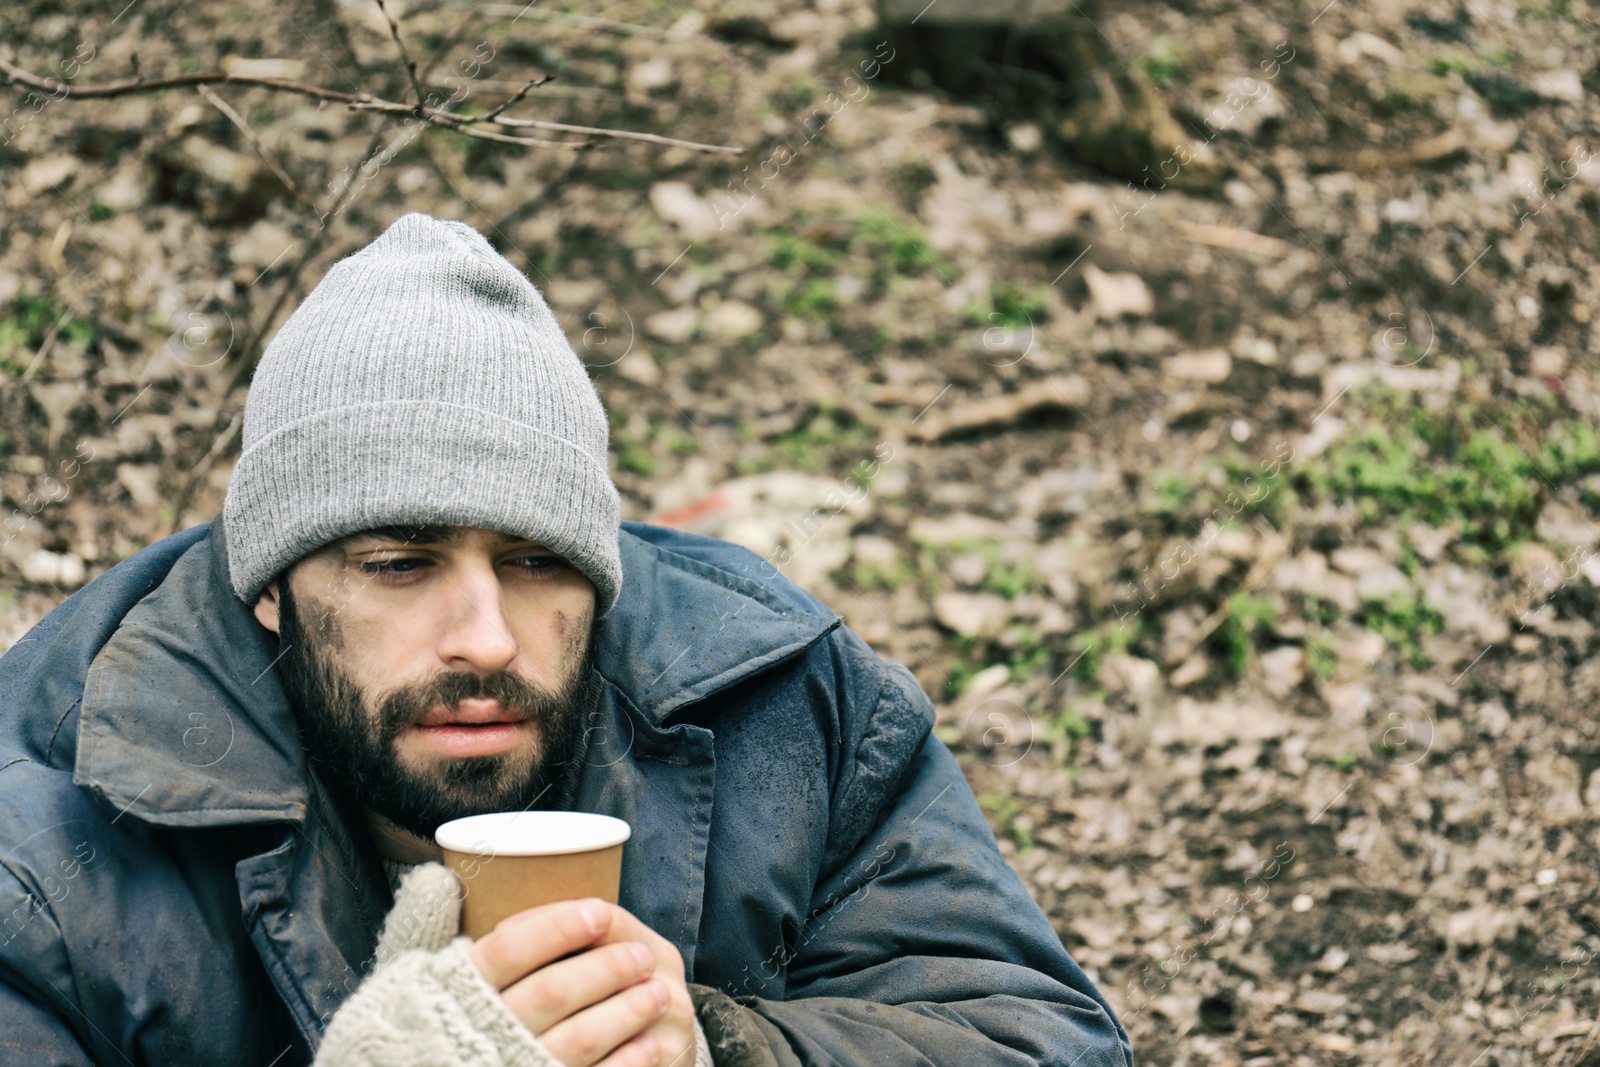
(618, 1001)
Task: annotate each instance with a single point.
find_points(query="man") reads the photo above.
(222, 763)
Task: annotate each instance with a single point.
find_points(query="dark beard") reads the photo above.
(356, 752)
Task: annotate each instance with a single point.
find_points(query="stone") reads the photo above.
(42, 175)
(653, 73)
(969, 569)
(674, 327)
(972, 614)
(678, 204)
(641, 368)
(1381, 583)
(1282, 669)
(732, 319)
(1212, 365)
(1115, 295)
(49, 568)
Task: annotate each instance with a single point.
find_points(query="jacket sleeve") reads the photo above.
(33, 985)
(923, 946)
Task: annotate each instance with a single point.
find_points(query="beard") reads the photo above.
(356, 749)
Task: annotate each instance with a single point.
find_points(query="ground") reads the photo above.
(1236, 513)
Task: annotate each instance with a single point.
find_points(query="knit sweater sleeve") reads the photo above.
(425, 1003)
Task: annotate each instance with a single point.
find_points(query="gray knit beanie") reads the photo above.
(424, 380)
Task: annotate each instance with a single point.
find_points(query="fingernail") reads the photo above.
(642, 957)
(594, 915)
(658, 989)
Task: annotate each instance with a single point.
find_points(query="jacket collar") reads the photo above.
(183, 722)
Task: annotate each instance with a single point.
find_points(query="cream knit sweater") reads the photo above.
(425, 1004)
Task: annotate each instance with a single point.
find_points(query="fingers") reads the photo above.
(562, 989)
(589, 1036)
(531, 939)
(625, 926)
(642, 1051)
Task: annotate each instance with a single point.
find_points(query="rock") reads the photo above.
(1561, 523)
(972, 614)
(1483, 925)
(676, 203)
(969, 569)
(1362, 43)
(1256, 350)
(1139, 678)
(1062, 394)
(1461, 596)
(640, 367)
(292, 70)
(42, 175)
(653, 73)
(1282, 669)
(732, 319)
(987, 682)
(1320, 1001)
(1201, 726)
(876, 551)
(1060, 494)
(262, 245)
(1213, 365)
(48, 568)
(674, 327)
(953, 529)
(1115, 295)
(1559, 85)
(1308, 573)
(1024, 137)
(1381, 583)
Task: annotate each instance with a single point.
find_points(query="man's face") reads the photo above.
(436, 672)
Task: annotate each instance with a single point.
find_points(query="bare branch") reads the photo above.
(654, 138)
(512, 99)
(12, 74)
(405, 56)
(250, 134)
(16, 74)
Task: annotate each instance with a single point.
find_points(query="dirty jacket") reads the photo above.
(176, 887)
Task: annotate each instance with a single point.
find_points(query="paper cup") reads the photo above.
(513, 860)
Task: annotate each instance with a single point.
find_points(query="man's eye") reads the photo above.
(540, 564)
(378, 568)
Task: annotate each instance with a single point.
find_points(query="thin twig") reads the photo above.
(540, 124)
(250, 134)
(356, 102)
(486, 135)
(405, 55)
(511, 100)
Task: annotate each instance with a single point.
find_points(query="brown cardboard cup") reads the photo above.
(513, 860)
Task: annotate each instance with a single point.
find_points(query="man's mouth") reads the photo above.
(472, 728)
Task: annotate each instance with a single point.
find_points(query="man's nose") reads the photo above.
(476, 635)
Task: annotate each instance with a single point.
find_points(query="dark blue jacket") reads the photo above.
(176, 888)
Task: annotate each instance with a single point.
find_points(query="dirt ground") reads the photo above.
(1239, 521)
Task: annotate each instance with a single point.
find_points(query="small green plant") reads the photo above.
(1007, 811)
(1007, 306)
(1246, 614)
(1320, 657)
(1162, 64)
(1402, 620)
(1173, 491)
(1450, 63)
(1031, 658)
(966, 665)
(1111, 638)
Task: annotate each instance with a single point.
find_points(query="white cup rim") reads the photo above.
(532, 833)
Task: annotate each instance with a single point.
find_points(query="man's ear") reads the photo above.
(266, 608)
